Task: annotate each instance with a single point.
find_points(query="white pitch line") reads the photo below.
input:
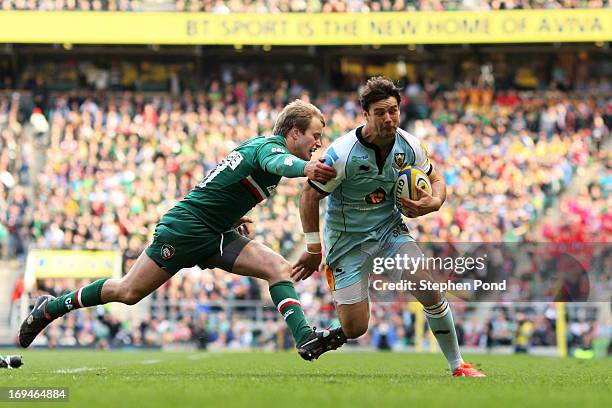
(198, 356)
(150, 361)
(77, 370)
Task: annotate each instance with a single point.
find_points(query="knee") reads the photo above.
(355, 329)
(279, 271)
(130, 296)
(431, 298)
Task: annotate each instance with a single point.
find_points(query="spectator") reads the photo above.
(15, 298)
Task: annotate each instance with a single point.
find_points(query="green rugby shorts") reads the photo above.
(181, 240)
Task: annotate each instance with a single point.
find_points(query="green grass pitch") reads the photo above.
(342, 379)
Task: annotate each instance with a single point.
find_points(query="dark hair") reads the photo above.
(297, 114)
(377, 89)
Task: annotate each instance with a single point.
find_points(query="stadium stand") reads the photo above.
(286, 6)
(116, 161)
(95, 150)
(15, 178)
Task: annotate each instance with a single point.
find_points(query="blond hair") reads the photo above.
(297, 114)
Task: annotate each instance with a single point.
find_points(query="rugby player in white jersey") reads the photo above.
(362, 221)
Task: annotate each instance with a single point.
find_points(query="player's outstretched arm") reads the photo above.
(317, 170)
(310, 260)
(277, 161)
(427, 203)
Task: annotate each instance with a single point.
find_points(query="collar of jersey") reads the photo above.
(278, 138)
(380, 162)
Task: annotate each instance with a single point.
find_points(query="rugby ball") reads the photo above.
(405, 186)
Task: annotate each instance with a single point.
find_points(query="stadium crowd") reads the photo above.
(286, 6)
(14, 179)
(215, 325)
(111, 164)
(585, 217)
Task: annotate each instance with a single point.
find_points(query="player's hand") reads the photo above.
(306, 266)
(317, 170)
(242, 226)
(424, 205)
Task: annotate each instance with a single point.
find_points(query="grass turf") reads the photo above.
(178, 379)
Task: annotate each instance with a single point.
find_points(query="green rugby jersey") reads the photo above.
(247, 176)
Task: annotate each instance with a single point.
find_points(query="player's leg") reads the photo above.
(248, 258)
(440, 319)
(438, 314)
(143, 278)
(396, 243)
(259, 261)
(354, 318)
(173, 247)
(347, 278)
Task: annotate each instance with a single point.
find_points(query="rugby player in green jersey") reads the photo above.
(201, 230)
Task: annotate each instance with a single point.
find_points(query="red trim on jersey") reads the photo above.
(77, 295)
(253, 189)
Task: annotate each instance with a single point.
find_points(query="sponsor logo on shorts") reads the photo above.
(167, 251)
(401, 229)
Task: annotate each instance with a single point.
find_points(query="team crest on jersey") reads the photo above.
(399, 160)
(167, 251)
(376, 197)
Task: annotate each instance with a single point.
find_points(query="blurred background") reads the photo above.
(110, 114)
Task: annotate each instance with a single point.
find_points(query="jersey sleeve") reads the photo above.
(339, 164)
(276, 159)
(421, 157)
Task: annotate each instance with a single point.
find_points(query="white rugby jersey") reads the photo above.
(361, 196)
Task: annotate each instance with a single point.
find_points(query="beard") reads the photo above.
(388, 132)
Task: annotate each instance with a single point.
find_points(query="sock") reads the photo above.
(86, 296)
(441, 322)
(285, 298)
